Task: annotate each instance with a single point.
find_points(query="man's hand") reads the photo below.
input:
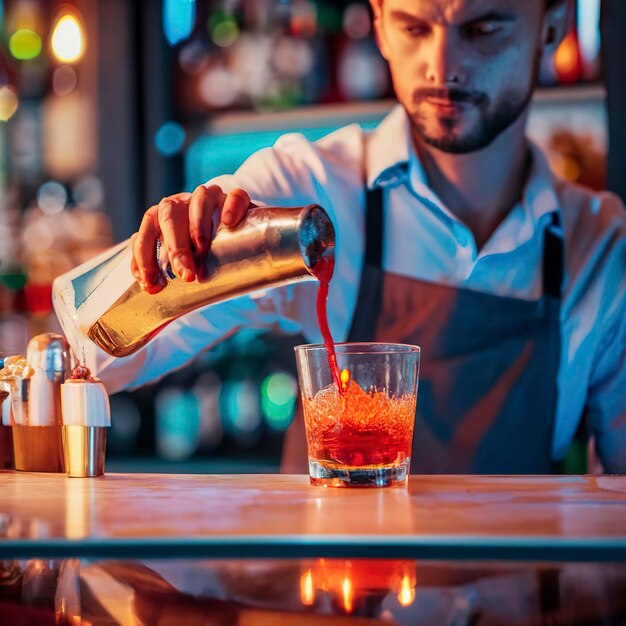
(184, 223)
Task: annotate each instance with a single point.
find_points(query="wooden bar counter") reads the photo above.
(524, 518)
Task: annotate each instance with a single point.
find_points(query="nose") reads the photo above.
(444, 59)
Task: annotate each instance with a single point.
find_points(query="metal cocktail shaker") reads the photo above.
(86, 417)
(272, 246)
(35, 394)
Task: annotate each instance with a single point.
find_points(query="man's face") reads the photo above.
(463, 69)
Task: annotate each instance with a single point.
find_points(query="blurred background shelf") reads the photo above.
(138, 99)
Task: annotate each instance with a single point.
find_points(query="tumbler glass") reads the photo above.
(363, 434)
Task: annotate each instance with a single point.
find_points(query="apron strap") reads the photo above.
(553, 258)
(374, 227)
(369, 300)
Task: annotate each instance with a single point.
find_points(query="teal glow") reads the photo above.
(239, 407)
(179, 17)
(214, 155)
(589, 28)
(278, 399)
(280, 388)
(177, 424)
(169, 139)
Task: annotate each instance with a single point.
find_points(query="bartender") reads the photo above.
(452, 233)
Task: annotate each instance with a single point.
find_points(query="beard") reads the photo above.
(492, 119)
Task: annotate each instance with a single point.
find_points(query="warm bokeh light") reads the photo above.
(25, 44)
(8, 103)
(307, 591)
(68, 41)
(64, 80)
(406, 595)
(567, 61)
(347, 592)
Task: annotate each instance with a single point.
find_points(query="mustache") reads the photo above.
(453, 94)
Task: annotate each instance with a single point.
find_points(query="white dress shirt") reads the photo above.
(426, 241)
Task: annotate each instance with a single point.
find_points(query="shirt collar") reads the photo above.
(387, 150)
(539, 197)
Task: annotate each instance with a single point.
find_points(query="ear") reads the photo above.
(557, 21)
(377, 10)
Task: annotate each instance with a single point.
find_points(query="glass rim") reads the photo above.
(394, 348)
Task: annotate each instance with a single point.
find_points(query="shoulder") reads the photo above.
(297, 169)
(594, 224)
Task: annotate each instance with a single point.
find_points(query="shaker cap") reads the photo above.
(48, 352)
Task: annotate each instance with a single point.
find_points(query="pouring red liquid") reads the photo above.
(324, 272)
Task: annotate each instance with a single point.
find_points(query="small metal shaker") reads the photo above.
(86, 417)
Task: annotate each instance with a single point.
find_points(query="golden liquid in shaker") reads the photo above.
(273, 246)
(38, 448)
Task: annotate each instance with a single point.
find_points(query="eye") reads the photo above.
(417, 30)
(482, 29)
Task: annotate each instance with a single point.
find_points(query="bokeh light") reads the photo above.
(239, 406)
(177, 424)
(68, 41)
(278, 399)
(219, 87)
(567, 61)
(207, 389)
(64, 80)
(170, 138)
(179, 17)
(51, 197)
(8, 103)
(88, 193)
(223, 28)
(193, 57)
(25, 44)
(225, 33)
(356, 21)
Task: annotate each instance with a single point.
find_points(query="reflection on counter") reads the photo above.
(308, 592)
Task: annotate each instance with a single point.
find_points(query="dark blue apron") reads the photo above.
(487, 390)
(489, 364)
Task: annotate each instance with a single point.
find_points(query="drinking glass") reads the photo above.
(363, 435)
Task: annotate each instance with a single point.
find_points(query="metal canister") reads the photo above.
(36, 405)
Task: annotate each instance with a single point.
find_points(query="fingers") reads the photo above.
(144, 264)
(204, 203)
(235, 207)
(184, 224)
(173, 216)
